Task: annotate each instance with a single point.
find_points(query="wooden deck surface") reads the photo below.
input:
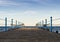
(29, 35)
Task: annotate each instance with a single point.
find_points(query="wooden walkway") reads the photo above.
(29, 35)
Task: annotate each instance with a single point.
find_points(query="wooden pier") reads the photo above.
(29, 35)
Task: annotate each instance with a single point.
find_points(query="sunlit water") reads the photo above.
(56, 29)
(53, 30)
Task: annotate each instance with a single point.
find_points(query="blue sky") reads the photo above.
(29, 11)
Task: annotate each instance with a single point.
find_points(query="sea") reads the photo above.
(53, 30)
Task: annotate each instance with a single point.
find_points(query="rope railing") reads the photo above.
(12, 22)
(49, 23)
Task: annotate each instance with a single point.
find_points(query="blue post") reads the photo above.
(16, 23)
(42, 22)
(51, 24)
(6, 24)
(46, 22)
(12, 23)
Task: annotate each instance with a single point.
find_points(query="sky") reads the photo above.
(29, 12)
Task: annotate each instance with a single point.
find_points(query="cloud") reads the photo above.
(43, 2)
(30, 12)
(7, 3)
(25, 2)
